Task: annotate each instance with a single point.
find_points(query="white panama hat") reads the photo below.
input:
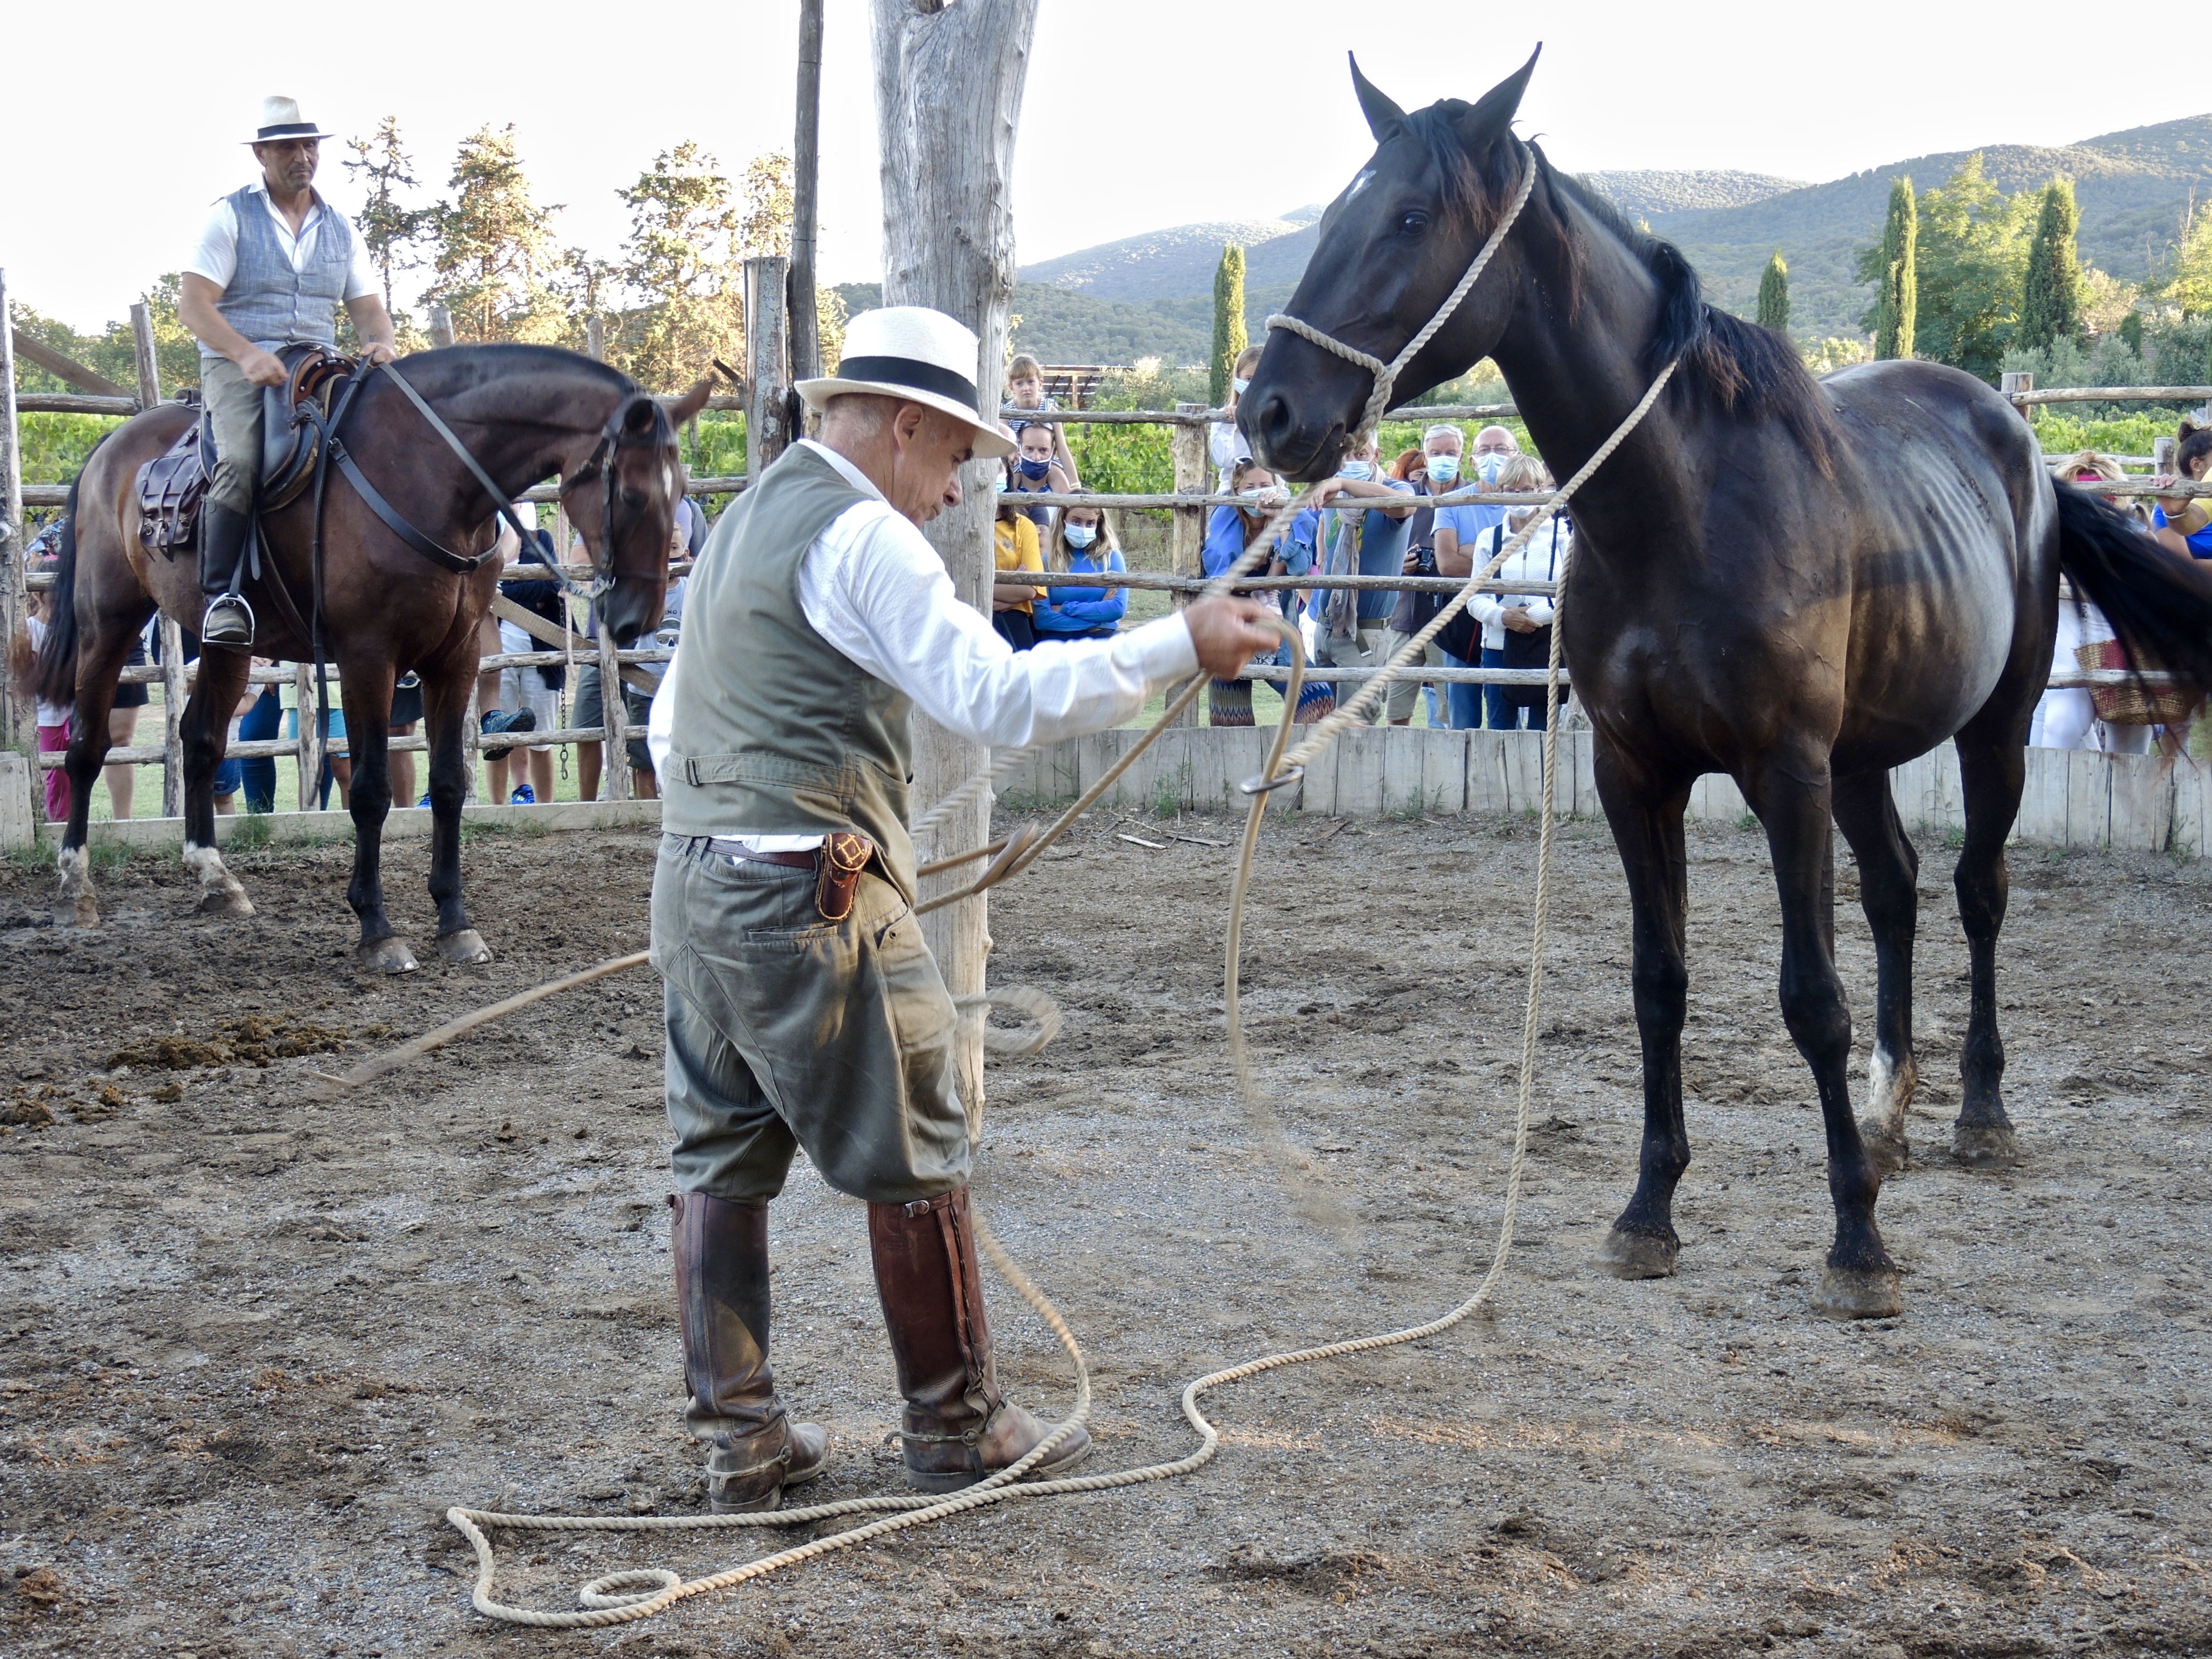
(919, 356)
(280, 120)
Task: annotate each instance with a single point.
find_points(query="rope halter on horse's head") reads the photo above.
(1386, 375)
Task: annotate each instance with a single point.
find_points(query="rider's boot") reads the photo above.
(956, 1428)
(721, 1295)
(229, 619)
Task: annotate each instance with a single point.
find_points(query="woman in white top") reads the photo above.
(2067, 719)
(1517, 627)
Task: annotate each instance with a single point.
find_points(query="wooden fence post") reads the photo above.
(18, 716)
(441, 327)
(309, 755)
(768, 432)
(595, 338)
(1186, 542)
(805, 169)
(149, 364)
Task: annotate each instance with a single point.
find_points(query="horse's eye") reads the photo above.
(1414, 223)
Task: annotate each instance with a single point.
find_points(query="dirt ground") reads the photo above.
(252, 1344)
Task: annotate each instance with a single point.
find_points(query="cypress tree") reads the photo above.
(1774, 295)
(1900, 288)
(2131, 331)
(1228, 321)
(2051, 299)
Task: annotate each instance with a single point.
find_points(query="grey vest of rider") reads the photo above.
(775, 732)
(267, 300)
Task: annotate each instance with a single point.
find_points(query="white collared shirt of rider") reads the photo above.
(877, 591)
(215, 257)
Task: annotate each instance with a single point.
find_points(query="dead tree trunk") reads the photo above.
(949, 81)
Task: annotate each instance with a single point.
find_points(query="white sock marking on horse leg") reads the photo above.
(206, 863)
(76, 872)
(1889, 1089)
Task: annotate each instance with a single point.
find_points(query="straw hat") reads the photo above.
(917, 356)
(280, 120)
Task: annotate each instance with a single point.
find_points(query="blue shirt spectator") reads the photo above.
(2200, 541)
(1082, 545)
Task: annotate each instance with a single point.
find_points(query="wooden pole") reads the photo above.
(948, 85)
(806, 168)
(768, 431)
(149, 364)
(441, 327)
(18, 716)
(1187, 444)
(310, 754)
(595, 338)
(65, 369)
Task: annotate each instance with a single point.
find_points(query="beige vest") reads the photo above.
(775, 731)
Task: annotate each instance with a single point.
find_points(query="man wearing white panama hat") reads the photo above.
(803, 1010)
(273, 262)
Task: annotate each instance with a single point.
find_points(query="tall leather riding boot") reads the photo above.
(720, 1249)
(957, 1429)
(229, 619)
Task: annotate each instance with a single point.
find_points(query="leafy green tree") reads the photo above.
(381, 164)
(2190, 285)
(1774, 295)
(2051, 292)
(2131, 331)
(1891, 267)
(684, 259)
(1971, 270)
(1228, 339)
(494, 247)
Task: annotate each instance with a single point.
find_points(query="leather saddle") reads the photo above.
(172, 485)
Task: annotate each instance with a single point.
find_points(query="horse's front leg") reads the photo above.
(100, 660)
(1793, 797)
(444, 711)
(367, 691)
(1646, 820)
(205, 731)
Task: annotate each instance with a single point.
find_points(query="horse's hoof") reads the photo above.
(1984, 1146)
(464, 949)
(386, 956)
(1859, 1293)
(217, 903)
(77, 913)
(1638, 1256)
(1891, 1152)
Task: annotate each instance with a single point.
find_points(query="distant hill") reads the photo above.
(1149, 295)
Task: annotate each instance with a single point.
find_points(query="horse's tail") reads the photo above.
(2159, 605)
(55, 678)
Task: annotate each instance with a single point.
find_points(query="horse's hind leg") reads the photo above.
(99, 660)
(1889, 893)
(1643, 1243)
(1993, 770)
(204, 732)
(1794, 802)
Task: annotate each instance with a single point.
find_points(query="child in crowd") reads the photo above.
(1012, 608)
(53, 718)
(1034, 473)
(1083, 545)
(1226, 440)
(1025, 394)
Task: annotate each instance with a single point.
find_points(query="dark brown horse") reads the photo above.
(526, 413)
(1800, 585)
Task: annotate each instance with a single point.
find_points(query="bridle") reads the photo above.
(1386, 375)
(614, 438)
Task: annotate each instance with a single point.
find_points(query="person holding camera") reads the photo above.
(1517, 627)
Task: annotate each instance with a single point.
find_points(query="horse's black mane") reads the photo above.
(462, 369)
(1749, 371)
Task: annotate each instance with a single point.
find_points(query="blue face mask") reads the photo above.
(1488, 465)
(1081, 536)
(1239, 385)
(1002, 484)
(1359, 469)
(1443, 469)
(1036, 468)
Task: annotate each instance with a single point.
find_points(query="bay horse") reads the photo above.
(524, 413)
(1799, 584)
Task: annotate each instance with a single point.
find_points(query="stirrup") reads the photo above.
(236, 634)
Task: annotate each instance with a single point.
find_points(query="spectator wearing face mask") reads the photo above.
(1434, 471)
(1083, 545)
(1229, 533)
(1034, 473)
(1025, 396)
(1226, 440)
(1012, 609)
(1458, 529)
(1517, 627)
(1357, 536)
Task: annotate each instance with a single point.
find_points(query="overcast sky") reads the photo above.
(1160, 112)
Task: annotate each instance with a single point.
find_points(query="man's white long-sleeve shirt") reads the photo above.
(877, 591)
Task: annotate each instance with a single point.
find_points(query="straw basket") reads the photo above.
(2132, 704)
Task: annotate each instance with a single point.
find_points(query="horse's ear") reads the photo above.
(1493, 112)
(1383, 118)
(681, 409)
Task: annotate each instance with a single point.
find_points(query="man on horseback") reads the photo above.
(273, 263)
(803, 1010)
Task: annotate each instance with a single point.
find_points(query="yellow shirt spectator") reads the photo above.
(1017, 551)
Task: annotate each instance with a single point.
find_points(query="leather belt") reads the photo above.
(837, 863)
